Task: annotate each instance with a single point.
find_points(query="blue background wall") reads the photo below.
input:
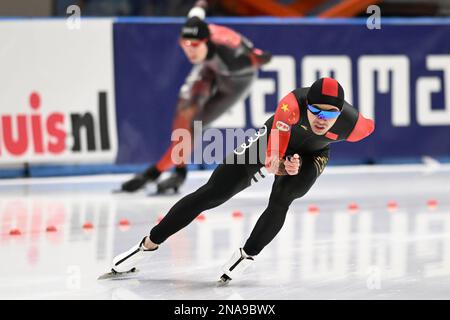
(150, 67)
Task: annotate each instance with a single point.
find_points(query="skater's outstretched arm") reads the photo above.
(286, 115)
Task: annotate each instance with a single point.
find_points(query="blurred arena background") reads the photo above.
(89, 88)
(114, 81)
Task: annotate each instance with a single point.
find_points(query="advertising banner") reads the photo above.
(57, 102)
(398, 75)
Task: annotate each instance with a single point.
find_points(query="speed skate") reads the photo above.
(117, 275)
(236, 266)
(125, 263)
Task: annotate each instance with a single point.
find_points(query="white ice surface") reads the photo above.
(335, 254)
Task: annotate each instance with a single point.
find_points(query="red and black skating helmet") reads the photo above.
(195, 28)
(326, 91)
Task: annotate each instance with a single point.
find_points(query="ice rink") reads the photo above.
(374, 252)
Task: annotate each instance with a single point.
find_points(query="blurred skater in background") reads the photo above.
(225, 66)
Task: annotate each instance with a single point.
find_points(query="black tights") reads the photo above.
(228, 180)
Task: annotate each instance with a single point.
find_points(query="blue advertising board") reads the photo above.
(399, 75)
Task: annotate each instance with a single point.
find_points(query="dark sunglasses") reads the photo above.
(323, 114)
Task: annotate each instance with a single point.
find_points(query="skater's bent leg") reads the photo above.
(183, 120)
(226, 181)
(193, 95)
(285, 190)
(230, 91)
(199, 105)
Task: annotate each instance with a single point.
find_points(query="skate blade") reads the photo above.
(168, 193)
(223, 281)
(163, 191)
(117, 275)
(121, 191)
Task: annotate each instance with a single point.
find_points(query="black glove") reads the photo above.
(261, 57)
